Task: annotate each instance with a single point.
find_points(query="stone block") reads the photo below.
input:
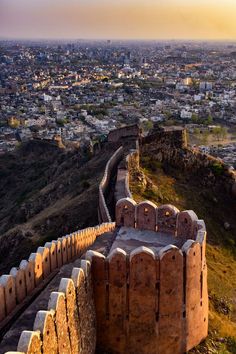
(186, 225)
(125, 212)
(171, 301)
(117, 270)
(58, 252)
(44, 323)
(30, 342)
(2, 303)
(36, 259)
(86, 310)
(67, 287)
(69, 248)
(52, 254)
(146, 216)
(58, 305)
(19, 276)
(28, 268)
(63, 241)
(8, 284)
(99, 277)
(73, 248)
(142, 302)
(166, 219)
(44, 251)
(193, 298)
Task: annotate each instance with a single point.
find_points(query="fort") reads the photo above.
(135, 283)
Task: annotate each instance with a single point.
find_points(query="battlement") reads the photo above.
(103, 212)
(23, 281)
(148, 302)
(146, 294)
(166, 218)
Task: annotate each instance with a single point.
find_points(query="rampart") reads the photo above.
(152, 300)
(152, 303)
(23, 281)
(169, 146)
(148, 301)
(128, 133)
(127, 165)
(68, 325)
(103, 212)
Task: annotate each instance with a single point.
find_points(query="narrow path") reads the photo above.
(25, 321)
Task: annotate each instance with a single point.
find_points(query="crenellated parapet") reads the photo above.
(103, 211)
(147, 295)
(150, 302)
(68, 323)
(22, 282)
(148, 299)
(165, 218)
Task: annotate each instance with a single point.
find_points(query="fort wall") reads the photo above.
(166, 218)
(130, 132)
(23, 280)
(149, 302)
(129, 164)
(68, 325)
(103, 212)
(169, 146)
(146, 302)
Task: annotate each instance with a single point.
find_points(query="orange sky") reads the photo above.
(149, 19)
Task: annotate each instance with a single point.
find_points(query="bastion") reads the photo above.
(151, 290)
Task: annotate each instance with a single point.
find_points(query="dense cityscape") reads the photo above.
(74, 93)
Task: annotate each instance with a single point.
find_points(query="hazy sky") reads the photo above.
(138, 19)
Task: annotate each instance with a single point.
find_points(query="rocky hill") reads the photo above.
(45, 192)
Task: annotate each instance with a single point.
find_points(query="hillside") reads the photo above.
(165, 185)
(45, 192)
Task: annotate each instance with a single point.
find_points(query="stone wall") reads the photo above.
(171, 137)
(23, 280)
(104, 215)
(129, 164)
(151, 303)
(169, 147)
(165, 218)
(69, 324)
(130, 132)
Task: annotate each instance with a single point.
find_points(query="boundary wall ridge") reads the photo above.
(23, 280)
(104, 214)
(151, 302)
(69, 324)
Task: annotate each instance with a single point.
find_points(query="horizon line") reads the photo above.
(120, 39)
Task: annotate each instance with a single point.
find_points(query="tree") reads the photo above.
(147, 125)
(209, 120)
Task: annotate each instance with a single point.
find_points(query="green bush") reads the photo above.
(217, 168)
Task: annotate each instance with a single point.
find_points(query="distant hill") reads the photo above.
(45, 192)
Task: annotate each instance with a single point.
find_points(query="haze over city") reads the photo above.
(124, 19)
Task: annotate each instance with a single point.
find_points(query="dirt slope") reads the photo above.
(45, 192)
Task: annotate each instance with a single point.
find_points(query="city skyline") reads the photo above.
(93, 19)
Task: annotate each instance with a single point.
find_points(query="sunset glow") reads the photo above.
(147, 19)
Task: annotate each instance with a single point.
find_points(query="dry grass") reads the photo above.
(221, 257)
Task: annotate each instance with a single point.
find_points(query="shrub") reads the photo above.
(217, 168)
